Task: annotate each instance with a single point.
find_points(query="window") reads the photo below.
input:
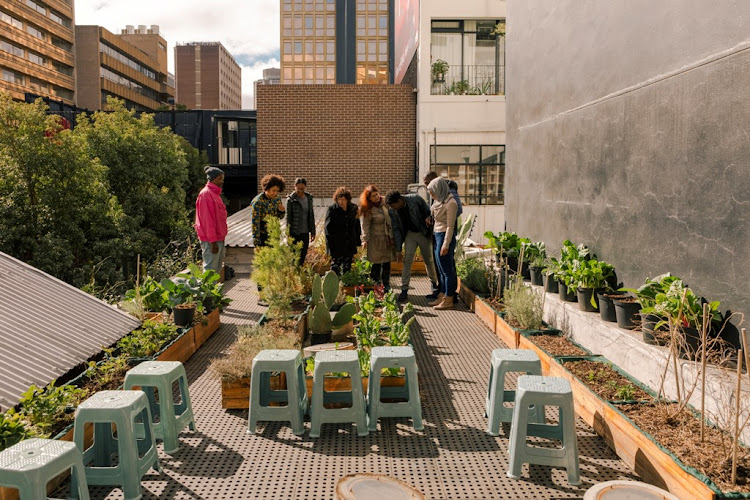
(6, 18)
(62, 44)
(10, 48)
(110, 51)
(37, 59)
(475, 57)
(60, 19)
(38, 85)
(63, 93)
(36, 7)
(62, 68)
(479, 171)
(33, 31)
(12, 76)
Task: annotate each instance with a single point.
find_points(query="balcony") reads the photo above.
(478, 79)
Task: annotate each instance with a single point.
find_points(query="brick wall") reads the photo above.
(337, 135)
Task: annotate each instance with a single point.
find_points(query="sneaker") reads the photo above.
(404, 296)
(262, 303)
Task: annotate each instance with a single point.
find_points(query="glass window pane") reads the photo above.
(383, 25)
(298, 73)
(330, 73)
(287, 74)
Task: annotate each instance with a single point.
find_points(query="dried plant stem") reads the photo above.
(737, 417)
(674, 354)
(704, 341)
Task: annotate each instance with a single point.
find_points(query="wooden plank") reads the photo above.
(181, 350)
(467, 296)
(204, 332)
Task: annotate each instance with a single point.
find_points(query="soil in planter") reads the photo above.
(680, 434)
(606, 381)
(557, 345)
(496, 304)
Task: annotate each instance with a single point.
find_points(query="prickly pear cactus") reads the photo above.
(344, 315)
(330, 288)
(320, 320)
(317, 286)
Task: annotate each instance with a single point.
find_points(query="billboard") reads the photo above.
(406, 37)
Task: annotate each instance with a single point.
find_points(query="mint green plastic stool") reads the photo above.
(394, 357)
(135, 445)
(337, 361)
(266, 362)
(29, 465)
(504, 361)
(550, 391)
(173, 417)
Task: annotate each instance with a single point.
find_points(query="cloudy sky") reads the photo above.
(249, 29)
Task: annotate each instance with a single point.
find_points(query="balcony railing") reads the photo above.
(475, 79)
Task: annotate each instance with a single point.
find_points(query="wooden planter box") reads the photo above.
(235, 395)
(181, 349)
(487, 314)
(418, 268)
(203, 332)
(349, 290)
(467, 296)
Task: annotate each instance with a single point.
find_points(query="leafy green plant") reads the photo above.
(458, 87)
(439, 69)
(571, 256)
(276, 271)
(359, 274)
(152, 295)
(147, 340)
(535, 254)
(398, 326)
(108, 373)
(464, 226)
(204, 285)
(177, 293)
(593, 274)
(473, 273)
(625, 392)
(51, 407)
(12, 429)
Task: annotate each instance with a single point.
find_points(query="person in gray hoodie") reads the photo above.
(300, 216)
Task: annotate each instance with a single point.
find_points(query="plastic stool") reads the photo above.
(288, 361)
(337, 361)
(552, 391)
(29, 465)
(504, 361)
(161, 375)
(394, 357)
(135, 445)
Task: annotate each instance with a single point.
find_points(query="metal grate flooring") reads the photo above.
(453, 458)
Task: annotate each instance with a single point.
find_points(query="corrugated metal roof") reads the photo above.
(240, 231)
(47, 327)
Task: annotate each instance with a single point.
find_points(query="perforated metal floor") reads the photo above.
(454, 458)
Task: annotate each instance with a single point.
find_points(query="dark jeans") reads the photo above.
(305, 239)
(257, 244)
(446, 265)
(381, 273)
(341, 265)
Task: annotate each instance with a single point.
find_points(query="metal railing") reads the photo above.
(475, 79)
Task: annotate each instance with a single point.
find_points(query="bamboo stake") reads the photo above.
(737, 417)
(704, 340)
(674, 354)
(745, 341)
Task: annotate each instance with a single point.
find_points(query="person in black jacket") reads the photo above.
(342, 230)
(300, 216)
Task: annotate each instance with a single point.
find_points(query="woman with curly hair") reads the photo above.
(265, 204)
(342, 231)
(377, 234)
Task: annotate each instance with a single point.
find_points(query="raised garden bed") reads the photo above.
(203, 332)
(418, 268)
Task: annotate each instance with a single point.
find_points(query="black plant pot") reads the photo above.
(320, 338)
(513, 264)
(648, 322)
(550, 284)
(183, 316)
(537, 275)
(565, 294)
(689, 348)
(208, 304)
(526, 271)
(607, 306)
(627, 314)
(584, 299)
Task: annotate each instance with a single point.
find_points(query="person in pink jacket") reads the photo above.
(211, 219)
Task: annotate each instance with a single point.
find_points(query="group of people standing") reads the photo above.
(389, 227)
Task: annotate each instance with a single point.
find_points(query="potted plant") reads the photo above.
(551, 270)
(358, 277)
(536, 255)
(591, 276)
(439, 69)
(645, 296)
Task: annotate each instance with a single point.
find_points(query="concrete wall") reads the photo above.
(628, 126)
(458, 119)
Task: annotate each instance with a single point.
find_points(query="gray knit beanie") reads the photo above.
(212, 172)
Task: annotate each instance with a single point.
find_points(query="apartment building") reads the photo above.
(337, 41)
(131, 66)
(271, 76)
(207, 76)
(36, 49)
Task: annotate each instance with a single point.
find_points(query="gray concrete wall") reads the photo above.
(629, 130)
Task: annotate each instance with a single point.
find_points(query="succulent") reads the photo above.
(324, 292)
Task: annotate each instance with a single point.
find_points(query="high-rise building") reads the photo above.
(131, 66)
(207, 76)
(36, 49)
(337, 41)
(271, 76)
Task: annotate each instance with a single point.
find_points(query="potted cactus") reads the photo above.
(323, 323)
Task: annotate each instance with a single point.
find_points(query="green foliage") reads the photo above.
(439, 67)
(668, 297)
(48, 408)
(151, 295)
(506, 243)
(591, 273)
(250, 341)
(108, 373)
(535, 254)
(473, 273)
(196, 176)
(523, 306)
(12, 429)
(147, 340)
(359, 275)
(463, 231)
(275, 270)
(571, 257)
(324, 296)
(625, 392)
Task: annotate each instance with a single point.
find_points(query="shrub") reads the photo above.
(473, 273)
(250, 341)
(523, 306)
(50, 408)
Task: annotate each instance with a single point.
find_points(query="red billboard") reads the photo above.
(407, 36)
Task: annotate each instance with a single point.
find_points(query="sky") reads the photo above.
(249, 29)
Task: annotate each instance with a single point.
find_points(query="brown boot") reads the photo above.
(447, 303)
(437, 301)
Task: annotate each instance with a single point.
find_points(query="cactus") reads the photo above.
(324, 293)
